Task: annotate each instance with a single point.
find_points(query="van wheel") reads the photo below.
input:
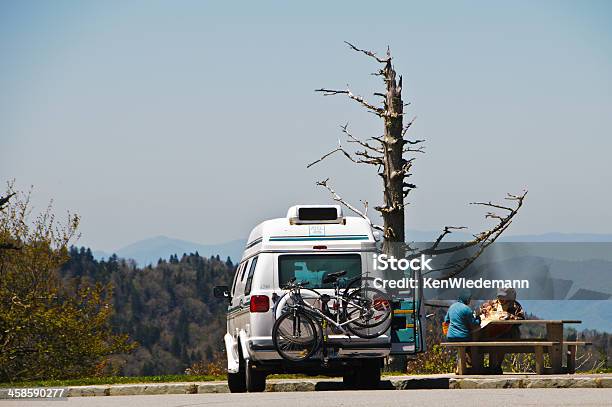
(236, 381)
(348, 379)
(255, 380)
(368, 376)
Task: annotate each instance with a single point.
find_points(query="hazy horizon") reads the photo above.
(196, 120)
(421, 235)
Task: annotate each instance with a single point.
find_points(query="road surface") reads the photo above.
(394, 398)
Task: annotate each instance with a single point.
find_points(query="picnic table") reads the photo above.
(552, 343)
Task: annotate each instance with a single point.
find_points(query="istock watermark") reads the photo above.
(420, 264)
(572, 271)
(454, 282)
(383, 262)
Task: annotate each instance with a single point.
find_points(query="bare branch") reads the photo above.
(491, 205)
(407, 126)
(5, 199)
(420, 149)
(352, 139)
(324, 157)
(481, 240)
(339, 199)
(447, 230)
(366, 158)
(404, 171)
(370, 53)
(406, 188)
(365, 212)
(588, 357)
(330, 92)
(462, 264)
(413, 142)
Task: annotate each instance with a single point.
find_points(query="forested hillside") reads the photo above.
(169, 309)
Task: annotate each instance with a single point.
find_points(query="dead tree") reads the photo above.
(393, 154)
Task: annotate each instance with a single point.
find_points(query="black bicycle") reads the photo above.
(301, 328)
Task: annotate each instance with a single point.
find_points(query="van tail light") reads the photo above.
(259, 303)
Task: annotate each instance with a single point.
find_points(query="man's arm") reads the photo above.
(517, 312)
(476, 320)
(468, 318)
(485, 308)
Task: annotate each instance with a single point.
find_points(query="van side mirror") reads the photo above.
(221, 291)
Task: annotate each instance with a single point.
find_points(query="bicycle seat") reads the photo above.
(333, 277)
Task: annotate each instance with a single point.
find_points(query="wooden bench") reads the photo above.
(478, 348)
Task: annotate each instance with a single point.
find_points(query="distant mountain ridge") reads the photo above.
(551, 237)
(149, 251)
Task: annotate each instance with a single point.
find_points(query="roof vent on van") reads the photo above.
(305, 214)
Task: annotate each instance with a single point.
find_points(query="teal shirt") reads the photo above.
(461, 321)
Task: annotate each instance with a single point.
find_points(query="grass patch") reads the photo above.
(295, 376)
(113, 380)
(86, 381)
(600, 370)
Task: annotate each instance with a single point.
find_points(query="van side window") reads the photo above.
(247, 287)
(238, 270)
(244, 269)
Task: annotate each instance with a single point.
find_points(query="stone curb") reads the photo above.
(388, 383)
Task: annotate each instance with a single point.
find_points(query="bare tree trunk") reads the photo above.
(387, 153)
(393, 177)
(394, 162)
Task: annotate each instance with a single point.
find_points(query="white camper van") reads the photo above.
(310, 242)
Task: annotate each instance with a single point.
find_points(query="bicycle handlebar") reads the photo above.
(292, 284)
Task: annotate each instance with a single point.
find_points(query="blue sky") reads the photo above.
(196, 119)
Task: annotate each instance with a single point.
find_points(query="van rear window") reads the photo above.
(314, 267)
(317, 214)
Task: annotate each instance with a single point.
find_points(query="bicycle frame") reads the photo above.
(319, 314)
(293, 302)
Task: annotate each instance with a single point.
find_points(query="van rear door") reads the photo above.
(408, 325)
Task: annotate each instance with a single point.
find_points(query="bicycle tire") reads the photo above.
(296, 348)
(373, 323)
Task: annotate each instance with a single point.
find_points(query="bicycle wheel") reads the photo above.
(369, 311)
(288, 301)
(295, 335)
(366, 287)
(356, 284)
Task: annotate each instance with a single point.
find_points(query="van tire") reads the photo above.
(368, 376)
(237, 381)
(255, 379)
(348, 379)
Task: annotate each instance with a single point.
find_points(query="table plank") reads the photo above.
(533, 321)
(500, 343)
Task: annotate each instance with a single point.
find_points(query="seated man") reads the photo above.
(461, 321)
(505, 307)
